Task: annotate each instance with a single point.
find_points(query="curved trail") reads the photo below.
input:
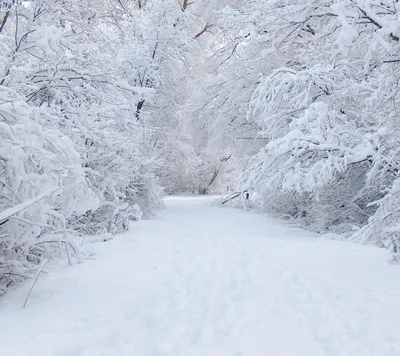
(205, 281)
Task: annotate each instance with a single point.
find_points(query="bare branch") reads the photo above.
(204, 30)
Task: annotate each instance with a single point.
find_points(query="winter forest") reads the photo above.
(108, 105)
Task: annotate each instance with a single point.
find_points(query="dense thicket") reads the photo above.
(304, 96)
(87, 117)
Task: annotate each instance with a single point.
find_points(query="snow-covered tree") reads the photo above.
(316, 85)
(85, 89)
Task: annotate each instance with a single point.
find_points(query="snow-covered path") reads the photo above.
(205, 281)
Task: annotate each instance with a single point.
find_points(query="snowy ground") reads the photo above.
(206, 281)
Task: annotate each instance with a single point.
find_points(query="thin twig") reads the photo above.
(34, 280)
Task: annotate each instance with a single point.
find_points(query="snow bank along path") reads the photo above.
(209, 281)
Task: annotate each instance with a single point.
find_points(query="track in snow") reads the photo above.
(201, 280)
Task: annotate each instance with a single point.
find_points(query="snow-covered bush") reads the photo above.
(330, 120)
(313, 88)
(85, 101)
(36, 158)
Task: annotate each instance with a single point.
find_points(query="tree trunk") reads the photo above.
(215, 175)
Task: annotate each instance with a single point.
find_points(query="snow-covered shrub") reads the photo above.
(383, 226)
(35, 158)
(330, 118)
(313, 88)
(85, 104)
(91, 97)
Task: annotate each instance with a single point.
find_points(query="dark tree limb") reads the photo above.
(377, 24)
(203, 31)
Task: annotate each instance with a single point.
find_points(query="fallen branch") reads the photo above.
(231, 197)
